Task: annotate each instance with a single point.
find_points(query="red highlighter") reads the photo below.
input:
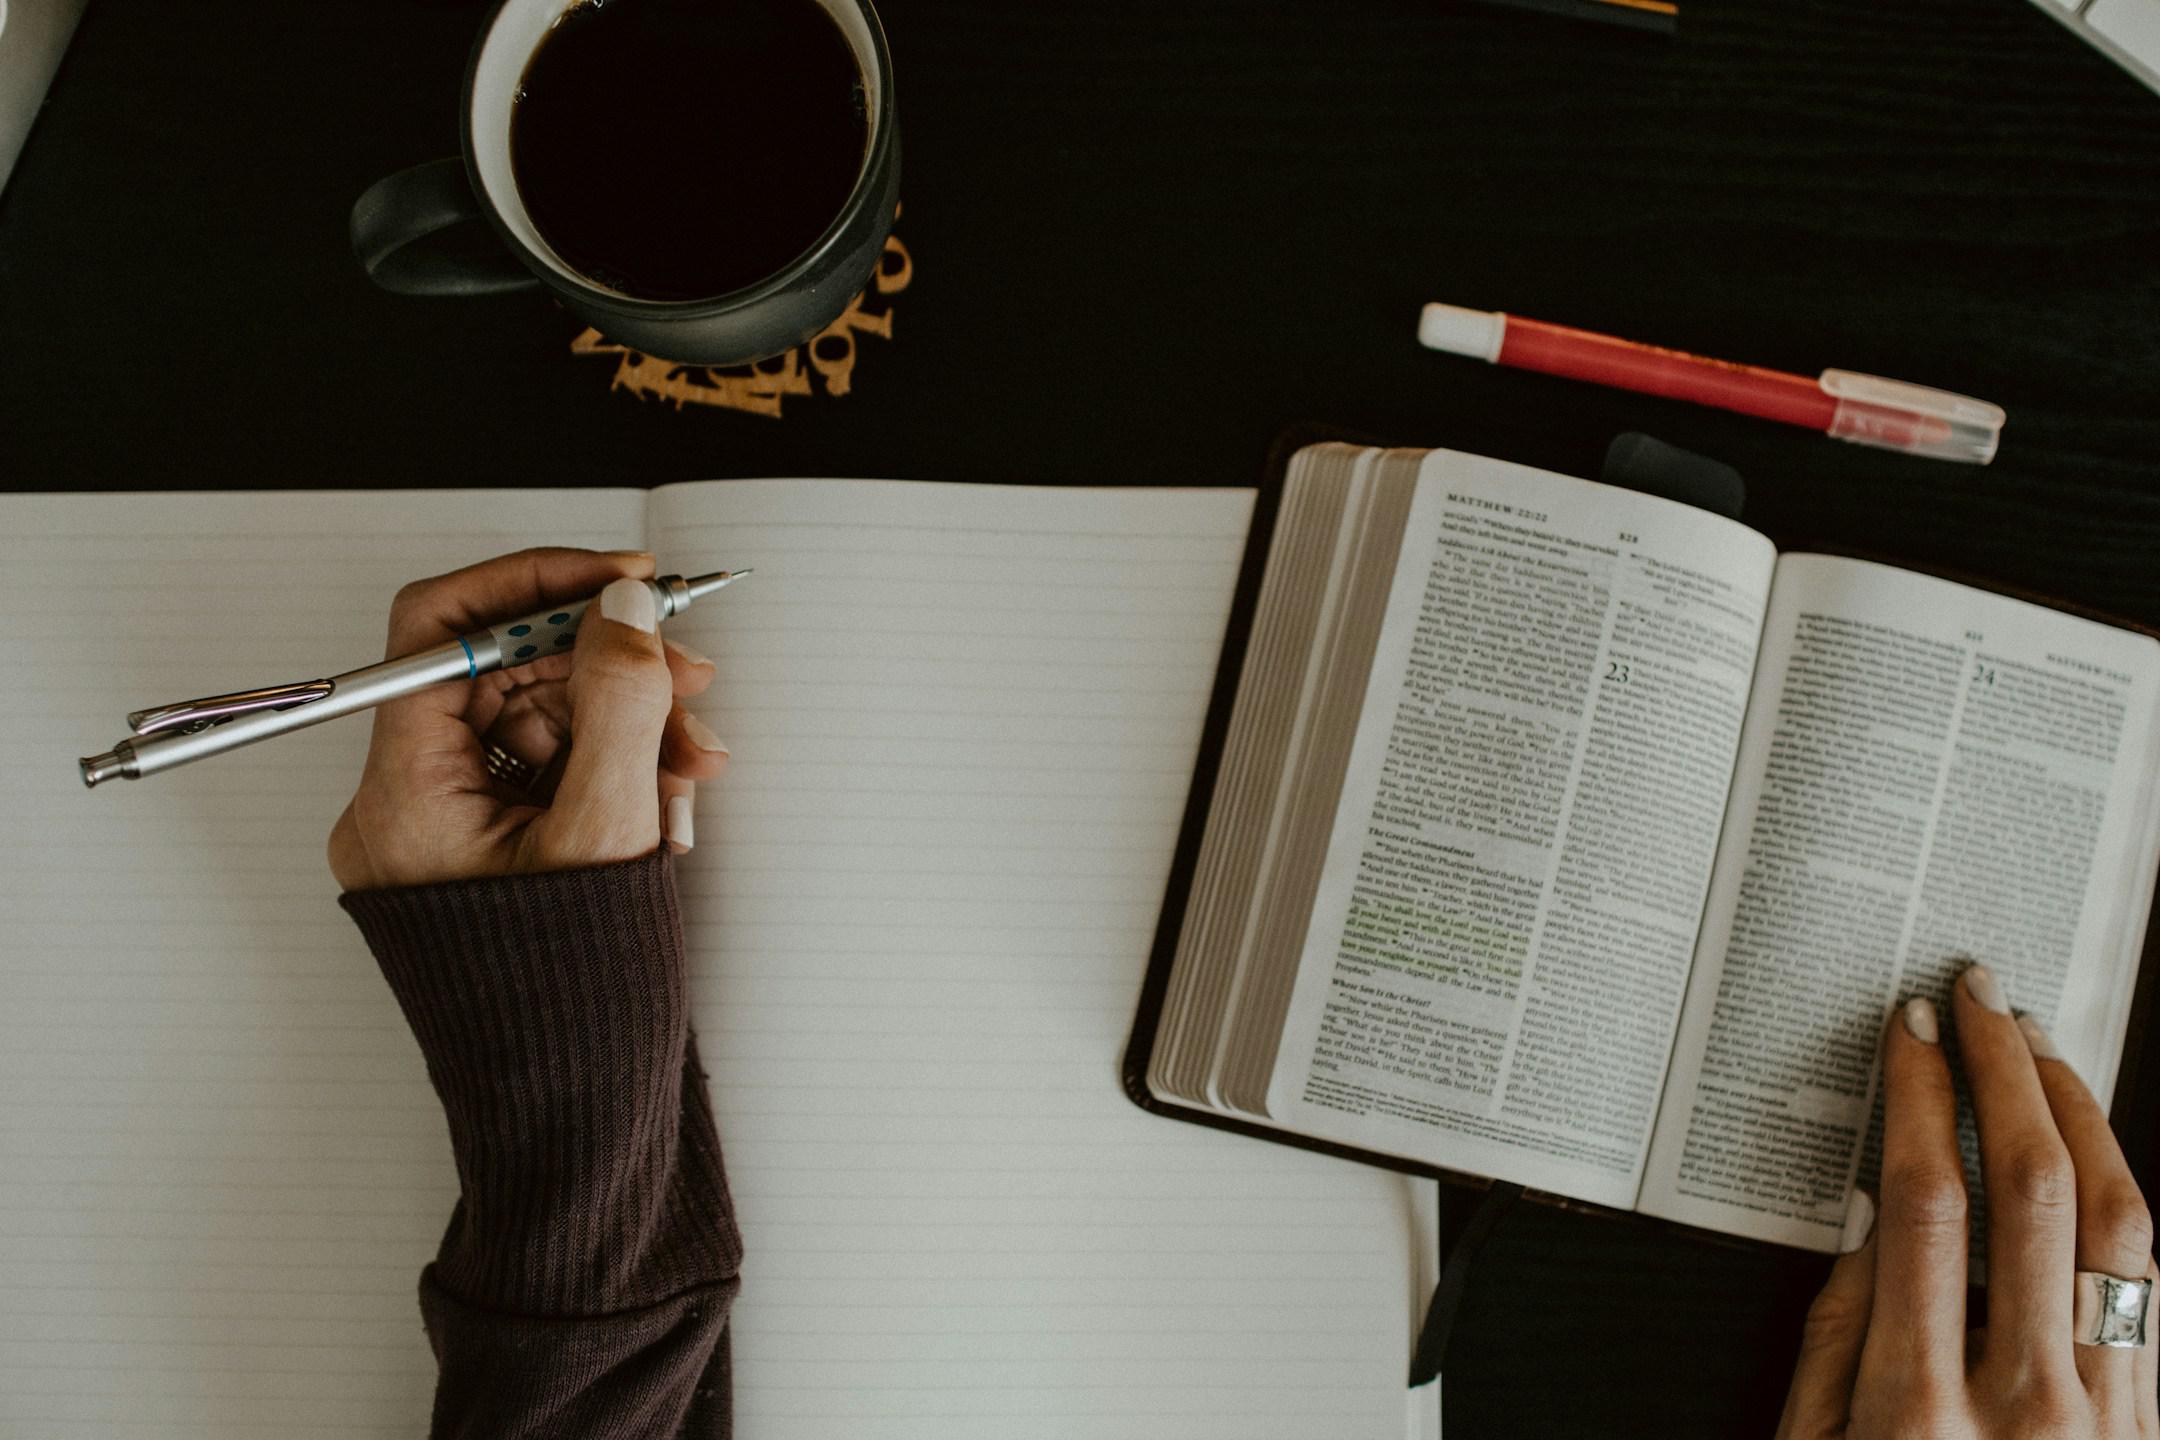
(1844, 405)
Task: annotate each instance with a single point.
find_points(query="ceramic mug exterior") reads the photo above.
(397, 222)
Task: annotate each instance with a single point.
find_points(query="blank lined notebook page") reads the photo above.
(221, 1166)
(963, 722)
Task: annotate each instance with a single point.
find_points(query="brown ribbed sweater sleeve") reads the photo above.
(582, 1287)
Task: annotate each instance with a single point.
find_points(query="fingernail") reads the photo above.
(628, 602)
(1859, 1222)
(681, 824)
(629, 554)
(701, 735)
(2037, 1039)
(1981, 984)
(1920, 1020)
(690, 656)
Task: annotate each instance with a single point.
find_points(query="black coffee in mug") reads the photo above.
(680, 149)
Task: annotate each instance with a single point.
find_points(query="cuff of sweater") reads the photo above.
(553, 1016)
(528, 992)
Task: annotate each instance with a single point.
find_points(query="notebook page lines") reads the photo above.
(221, 1166)
(963, 722)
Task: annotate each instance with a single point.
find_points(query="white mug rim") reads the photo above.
(489, 172)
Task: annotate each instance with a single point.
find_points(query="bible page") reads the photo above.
(963, 721)
(1506, 913)
(1930, 773)
(221, 1164)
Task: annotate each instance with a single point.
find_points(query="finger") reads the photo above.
(528, 731)
(678, 811)
(534, 724)
(690, 748)
(2031, 1188)
(1820, 1401)
(432, 611)
(1920, 1268)
(2114, 1226)
(692, 671)
(485, 699)
(607, 807)
(531, 728)
(443, 607)
(542, 790)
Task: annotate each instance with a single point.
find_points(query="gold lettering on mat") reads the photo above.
(830, 355)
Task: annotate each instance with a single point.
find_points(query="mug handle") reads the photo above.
(398, 212)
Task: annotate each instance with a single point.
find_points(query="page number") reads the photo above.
(1983, 673)
(1627, 539)
(1616, 671)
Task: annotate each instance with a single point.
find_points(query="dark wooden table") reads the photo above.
(1146, 237)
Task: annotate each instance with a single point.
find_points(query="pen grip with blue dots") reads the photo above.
(547, 632)
(544, 632)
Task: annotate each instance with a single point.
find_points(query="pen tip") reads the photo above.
(703, 585)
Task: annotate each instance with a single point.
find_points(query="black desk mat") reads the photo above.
(1142, 238)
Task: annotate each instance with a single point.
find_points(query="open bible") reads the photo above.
(1571, 836)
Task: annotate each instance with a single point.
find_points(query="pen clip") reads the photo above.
(188, 716)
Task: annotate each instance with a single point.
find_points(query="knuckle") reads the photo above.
(2039, 1175)
(1930, 1408)
(1907, 1405)
(1925, 1198)
(2123, 1219)
(1835, 1320)
(2054, 1406)
(410, 596)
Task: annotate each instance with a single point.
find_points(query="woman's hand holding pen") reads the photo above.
(615, 759)
(1886, 1352)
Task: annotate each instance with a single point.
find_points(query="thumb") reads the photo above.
(607, 806)
(1820, 1403)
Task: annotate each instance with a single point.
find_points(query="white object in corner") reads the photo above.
(2126, 31)
(33, 36)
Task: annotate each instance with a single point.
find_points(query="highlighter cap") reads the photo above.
(1475, 333)
(1892, 415)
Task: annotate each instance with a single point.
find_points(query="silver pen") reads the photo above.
(169, 735)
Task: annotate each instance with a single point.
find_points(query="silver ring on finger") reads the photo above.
(2110, 1310)
(511, 770)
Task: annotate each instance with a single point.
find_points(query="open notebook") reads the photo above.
(963, 722)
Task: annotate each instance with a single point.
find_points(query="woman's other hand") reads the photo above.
(616, 760)
(1886, 1352)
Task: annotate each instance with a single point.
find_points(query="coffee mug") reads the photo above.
(407, 228)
